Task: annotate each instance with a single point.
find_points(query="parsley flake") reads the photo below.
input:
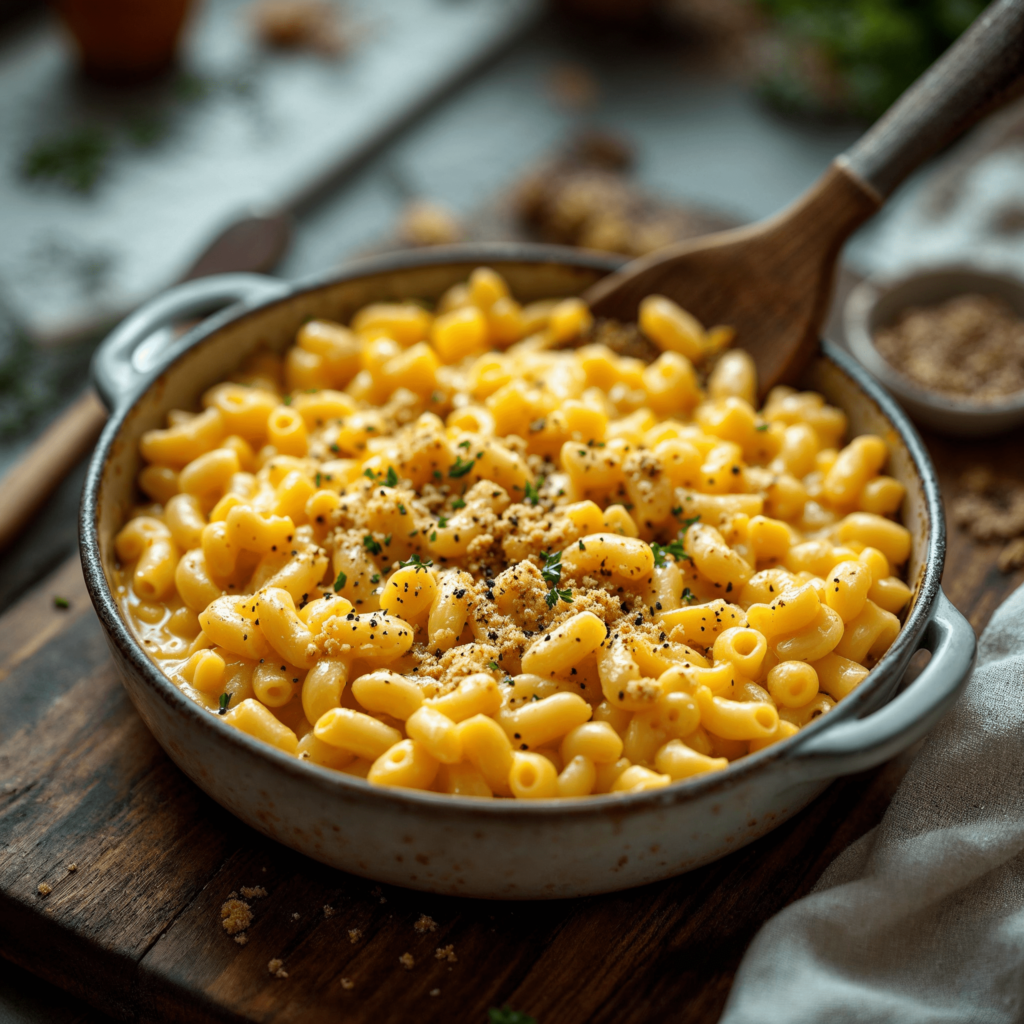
(287, 399)
(370, 475)
(555, 595)
(416, 562)
(551, 570)
(401, 509)
(340, 581)
(533, 492)
(761, 426)
(222, 704)
(318, 481)
(61, 602)
(391, 480)
(375, 578)
(459, 468)
(687, 523)
(494, 665)
(506, 1015)
(371, 545)
(688, 595)
(458, 503)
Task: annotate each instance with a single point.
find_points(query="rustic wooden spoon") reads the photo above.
(772, 280)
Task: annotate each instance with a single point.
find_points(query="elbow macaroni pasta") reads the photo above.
(480, 552)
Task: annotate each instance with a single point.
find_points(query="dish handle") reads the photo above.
(142, 341)
(865, 742)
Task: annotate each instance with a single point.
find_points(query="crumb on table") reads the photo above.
(236, 916)
(241, 938)
(354, 935)
(43, 889)
(446, 953)
(328, 910)
(276, 968)
(296, 916)
(407, 961)
(435, 991)
(425, 924)
(253, 892)
(72, 868)
(347, 983)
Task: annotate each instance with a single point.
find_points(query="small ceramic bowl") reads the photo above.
(878, 302)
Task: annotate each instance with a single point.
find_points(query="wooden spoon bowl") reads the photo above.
(772, 281)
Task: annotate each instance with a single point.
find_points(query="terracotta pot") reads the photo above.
(124, 40)
(466, 846)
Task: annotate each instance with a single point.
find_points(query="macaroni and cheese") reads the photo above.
(478, 551)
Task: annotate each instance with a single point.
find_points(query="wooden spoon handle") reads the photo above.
(976, 74)
(29, 482)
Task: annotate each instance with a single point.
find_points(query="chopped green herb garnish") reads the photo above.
(551, 570)
(340, 581)
(375, 578)
(287, 399)
(761, 426)
(61, 602)
(583, 546)
(437, 474)
(222, 704)
(675, 549)
(433, 536)
(371, 545)
(687, 523)
(335, 448)
(494, 665)
(401, 509)
(391, 479)
(370, 475)
(318, 478)
(465, 444)
(688, 595)
(506, 1015)
(533, 492)
(442, 522)
(554, 595)
(416, 562)
(460, 468)
(458, 503)
(387, 540)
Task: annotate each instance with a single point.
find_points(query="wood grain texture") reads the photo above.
(771, 281)
(135, 930)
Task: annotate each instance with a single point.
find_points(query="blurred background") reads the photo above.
(133, 134)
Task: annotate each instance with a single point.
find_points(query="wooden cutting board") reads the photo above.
(135, 928)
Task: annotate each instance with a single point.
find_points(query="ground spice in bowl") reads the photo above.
(970, 346)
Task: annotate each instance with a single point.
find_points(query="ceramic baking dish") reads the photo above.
(474, 847)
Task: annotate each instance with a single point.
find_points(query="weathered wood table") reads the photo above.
(139, 862)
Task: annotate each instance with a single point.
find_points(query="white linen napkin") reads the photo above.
(922, 919)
